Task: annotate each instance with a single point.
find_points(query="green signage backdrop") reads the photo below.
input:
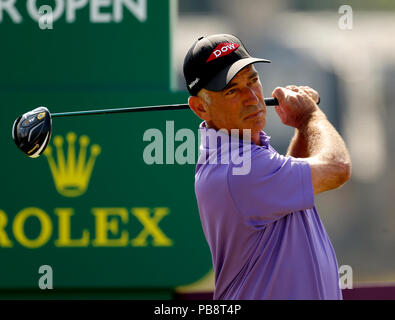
(92, 208)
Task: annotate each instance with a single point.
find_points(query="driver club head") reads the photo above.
(32, 131)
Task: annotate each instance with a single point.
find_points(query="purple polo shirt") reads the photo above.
(265, 236)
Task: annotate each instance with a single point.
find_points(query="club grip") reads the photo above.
(271, 101)
(274, 101)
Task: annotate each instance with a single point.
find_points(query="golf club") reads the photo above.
(32, 131)
(268, 102)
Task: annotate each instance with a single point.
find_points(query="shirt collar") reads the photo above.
(264, 138)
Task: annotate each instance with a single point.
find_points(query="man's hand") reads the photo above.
(296, 104)
(310, 91)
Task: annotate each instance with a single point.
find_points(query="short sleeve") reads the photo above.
(275, 186)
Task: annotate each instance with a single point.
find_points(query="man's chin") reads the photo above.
(257, 124)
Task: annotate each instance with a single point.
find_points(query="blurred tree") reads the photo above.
(190, 6)
(378, 5)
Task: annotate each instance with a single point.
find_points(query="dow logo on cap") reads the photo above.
(222, 49)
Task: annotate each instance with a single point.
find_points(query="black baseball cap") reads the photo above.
(213, 61)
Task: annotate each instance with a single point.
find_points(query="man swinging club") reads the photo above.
(266, 238)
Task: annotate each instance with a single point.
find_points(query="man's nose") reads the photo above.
(249, 97)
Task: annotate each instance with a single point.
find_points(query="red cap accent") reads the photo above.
(222, 49)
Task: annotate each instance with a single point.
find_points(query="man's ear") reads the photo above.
(200, 107)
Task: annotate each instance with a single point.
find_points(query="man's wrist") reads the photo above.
(315, 116)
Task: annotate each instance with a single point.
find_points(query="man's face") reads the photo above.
(240, 105)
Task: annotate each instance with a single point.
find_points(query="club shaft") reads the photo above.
(268, 101)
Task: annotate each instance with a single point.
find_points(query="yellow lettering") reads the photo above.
(104, 225)
(64, 239)
(19, 224)
(151, 227)
(4, 241)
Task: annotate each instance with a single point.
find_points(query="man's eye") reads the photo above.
(231, 91)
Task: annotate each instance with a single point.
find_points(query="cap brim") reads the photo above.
(221, 80)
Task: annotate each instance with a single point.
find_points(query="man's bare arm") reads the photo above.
(315, 139)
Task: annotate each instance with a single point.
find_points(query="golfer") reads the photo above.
(266, 238)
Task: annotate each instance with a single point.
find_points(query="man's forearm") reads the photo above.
(298, 147)
(318, 138)
(315, 139)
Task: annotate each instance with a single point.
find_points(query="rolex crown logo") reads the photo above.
(71, 173)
